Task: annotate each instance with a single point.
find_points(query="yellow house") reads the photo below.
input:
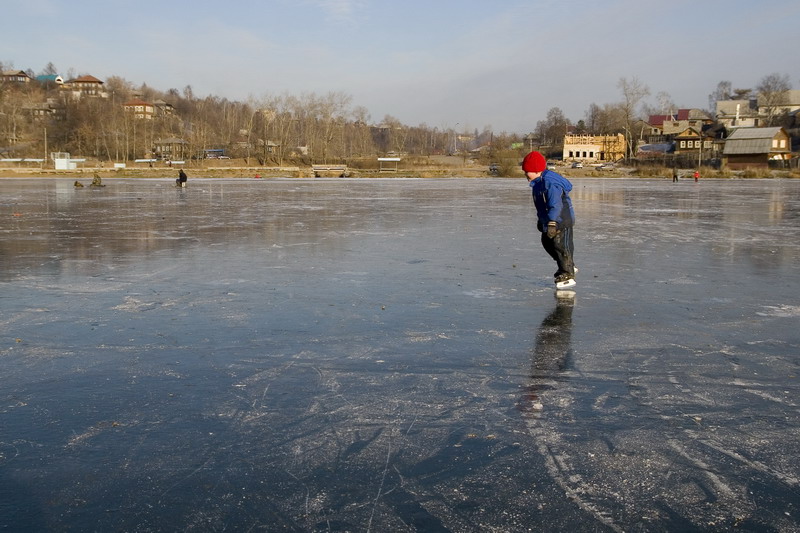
(594, 148)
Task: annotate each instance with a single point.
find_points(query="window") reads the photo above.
(783, 143)
(683, 144)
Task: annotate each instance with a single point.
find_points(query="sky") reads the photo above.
(466, 65)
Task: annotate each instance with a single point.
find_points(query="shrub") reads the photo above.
(757, 173)
(508, 168)
(652, 171)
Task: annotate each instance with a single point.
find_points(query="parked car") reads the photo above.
(577, 164)
(606, 166)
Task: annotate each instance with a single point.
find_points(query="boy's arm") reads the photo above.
(554, 194)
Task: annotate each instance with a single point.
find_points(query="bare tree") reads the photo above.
(721, 93)
(773, 95)
(333, 110)
(551, 131)
(362, 139)
(633, 92)
(665, 103)
(395, 134)
(592, 117)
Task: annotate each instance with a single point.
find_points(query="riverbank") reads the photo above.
(242, 172)
(445, 171)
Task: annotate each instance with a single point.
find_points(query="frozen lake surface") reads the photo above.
(389, 355)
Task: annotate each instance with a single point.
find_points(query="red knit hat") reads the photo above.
(534, 162)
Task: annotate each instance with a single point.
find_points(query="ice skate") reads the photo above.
(565, 281)
(566, 284)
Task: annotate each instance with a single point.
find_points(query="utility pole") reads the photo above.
(700, 152)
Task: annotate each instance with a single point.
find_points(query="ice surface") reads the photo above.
(389, 355)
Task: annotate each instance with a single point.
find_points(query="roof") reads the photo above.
(658, 120)
(85, 79)
(688, 132)
(750, 141)
(754, 133)
(743, 108)
(657, 148)
(137, 101)
(682, 114)
(15, 73)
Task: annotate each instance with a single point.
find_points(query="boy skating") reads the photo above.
(555, 216)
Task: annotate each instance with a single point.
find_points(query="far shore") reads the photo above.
(445, 171)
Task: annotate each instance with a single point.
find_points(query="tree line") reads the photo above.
(276, 129)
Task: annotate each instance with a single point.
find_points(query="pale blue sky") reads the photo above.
(501, 64)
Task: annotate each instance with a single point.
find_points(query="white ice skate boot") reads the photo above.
(565, 281)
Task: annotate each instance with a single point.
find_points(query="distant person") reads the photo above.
(182, 179)
(696, 175)
(555, 216)
(674, 175)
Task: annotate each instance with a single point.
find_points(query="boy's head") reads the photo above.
(533, 165)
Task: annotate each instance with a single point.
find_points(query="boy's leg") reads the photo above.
(563, 247)
(569, 244)
(550, 247)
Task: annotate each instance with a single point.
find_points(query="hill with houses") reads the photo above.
(47, 114)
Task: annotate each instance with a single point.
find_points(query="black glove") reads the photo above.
(552, 229)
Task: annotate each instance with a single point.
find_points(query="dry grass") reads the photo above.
(716, 173)
(757, 173)
(655, 171)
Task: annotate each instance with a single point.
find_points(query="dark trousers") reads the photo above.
(561, 249)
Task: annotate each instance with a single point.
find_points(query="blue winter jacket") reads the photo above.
(552, 201)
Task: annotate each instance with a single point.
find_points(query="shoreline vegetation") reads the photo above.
(412, 169)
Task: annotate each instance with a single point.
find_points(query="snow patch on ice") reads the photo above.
(484, 293)
(782, 311)
(500, 334)
(135, 305)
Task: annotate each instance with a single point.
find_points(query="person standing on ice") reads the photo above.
(555, 216)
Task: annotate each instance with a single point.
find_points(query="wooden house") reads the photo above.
(674, 123)
(692, 141)
(139, 108)
(171, 149)
(85, 86)
(756, 148)
(15, 76)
